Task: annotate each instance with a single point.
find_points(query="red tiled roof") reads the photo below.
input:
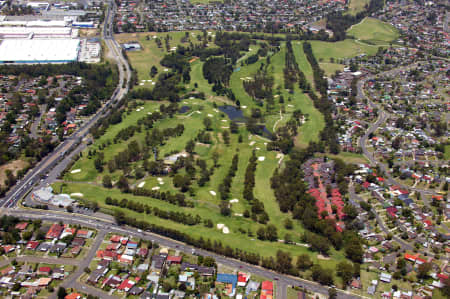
(267, 285)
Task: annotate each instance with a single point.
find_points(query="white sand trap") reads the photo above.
(149, 113)
(153, 83)
(161, 183)
(224, 120)
(185, 102)
(265, 143)
(215, 110)
(141, 184)
(225, 230)
(225, 127)
(166, 70)
(212, 193)
(198, 112)
(191, 98)
(141, 84)
(220, 225)
(154, 36)
(244, 107)
(276, 96)
(290, 106)
(238, 214)
(279, 156)
(155, 188)
(210, 115)
(257, 148)
(159, 179)
(137, 110)
(262, 158)
(234, 200)
(77, 194)
(142, 108)
(76, 171)
(251, 143)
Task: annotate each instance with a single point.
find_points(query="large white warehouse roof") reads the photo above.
(39, 50)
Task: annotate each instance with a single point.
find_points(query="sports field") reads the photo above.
(374, 32)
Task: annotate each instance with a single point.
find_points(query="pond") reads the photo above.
(184, 109)
(233, 113)
(236, 114)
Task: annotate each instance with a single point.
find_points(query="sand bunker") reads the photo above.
(220, 225)
(262, 158)
(155, 188)
(76, 171)
(212, 193)
(141, 184)
(251, 143)
(225, 230)
(77, 194)
(234, 200)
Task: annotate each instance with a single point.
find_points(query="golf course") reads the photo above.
(211, 134)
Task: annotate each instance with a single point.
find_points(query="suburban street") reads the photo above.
(282, 281)
(382, 117)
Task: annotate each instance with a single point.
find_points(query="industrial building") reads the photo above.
(37, 32)
(39, 50)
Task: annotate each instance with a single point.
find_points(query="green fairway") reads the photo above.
(302, 61)
(234, 239)
(343, 49)
(150, 54)
(373, 31)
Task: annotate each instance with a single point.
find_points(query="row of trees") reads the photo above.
(292, 72)
(258, 212)
(224, 187)
(329, 133)
(179, 217)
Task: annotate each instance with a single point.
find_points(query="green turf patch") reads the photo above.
(373, 31)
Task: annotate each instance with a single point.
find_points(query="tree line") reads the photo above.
(179, 217)
(329, 135)
(257, 210)
(339, 22)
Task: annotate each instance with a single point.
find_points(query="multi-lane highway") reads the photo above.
(67, 147)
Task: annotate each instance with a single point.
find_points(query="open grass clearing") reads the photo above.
(14, 166)
(348, 48)
(331, 68)
(357, 6)
(373, 31)
(348, 157)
